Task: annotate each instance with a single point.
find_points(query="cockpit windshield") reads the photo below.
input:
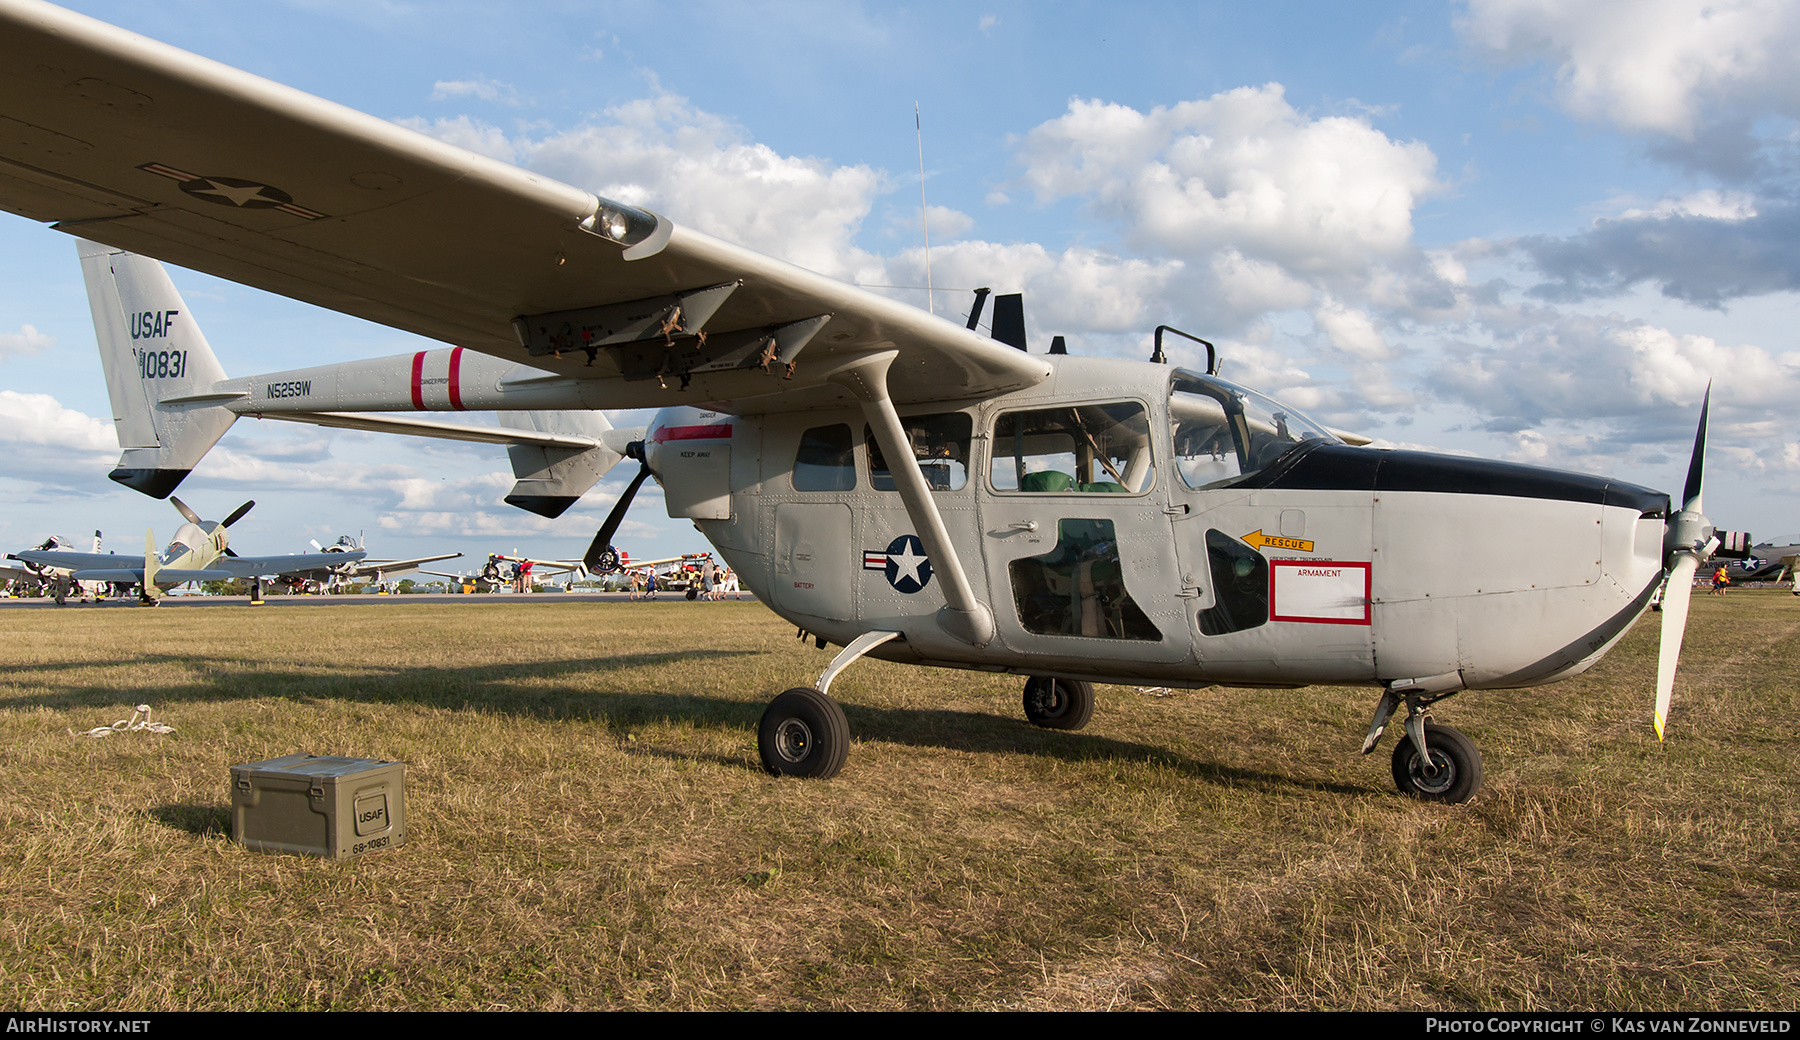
(187, 539)
(1224, 432)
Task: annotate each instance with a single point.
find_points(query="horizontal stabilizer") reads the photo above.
(551, 478)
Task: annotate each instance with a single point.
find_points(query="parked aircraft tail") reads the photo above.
(159, 370)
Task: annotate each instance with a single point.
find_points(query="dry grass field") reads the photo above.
(588, 827)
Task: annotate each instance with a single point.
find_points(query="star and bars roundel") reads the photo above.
(904, 563)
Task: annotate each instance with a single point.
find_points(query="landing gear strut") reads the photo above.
(803, 731)
(1431, 762)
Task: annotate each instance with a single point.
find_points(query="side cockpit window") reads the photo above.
(826, 460)
(941, 445)
(1080, 449)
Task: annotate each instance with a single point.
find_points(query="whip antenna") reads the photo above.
(924, 218)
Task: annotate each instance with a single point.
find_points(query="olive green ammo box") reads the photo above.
(319, 805)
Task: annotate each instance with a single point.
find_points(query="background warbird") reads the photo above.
(893, 483)
(200, 551)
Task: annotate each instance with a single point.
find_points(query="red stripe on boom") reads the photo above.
(693, 433)
(456, 379)
(418, 391)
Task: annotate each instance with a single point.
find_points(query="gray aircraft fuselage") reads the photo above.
(1334, 565)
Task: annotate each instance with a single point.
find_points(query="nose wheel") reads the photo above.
(1448, 772)
(1432, 763)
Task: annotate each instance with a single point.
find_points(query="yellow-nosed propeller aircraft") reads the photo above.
(200, 551)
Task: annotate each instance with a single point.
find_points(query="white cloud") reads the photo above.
(464, 132)
(28, 340)
(700, 170)
(485, 89)
(947, 223)
(1076, 290)
(40, 421)
(1710, 203)
(1350, 330)
(1655, 65)
(1240, 170)
(1577, 367)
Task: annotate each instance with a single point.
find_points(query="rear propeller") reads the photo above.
(601, 557)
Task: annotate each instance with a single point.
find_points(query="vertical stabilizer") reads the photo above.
(152, 564)
(153, 353)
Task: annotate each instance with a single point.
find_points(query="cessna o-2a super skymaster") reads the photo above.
(891, 482)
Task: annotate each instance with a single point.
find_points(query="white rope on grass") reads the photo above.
(130, 725)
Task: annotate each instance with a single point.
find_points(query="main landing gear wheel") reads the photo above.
(803, 733)
(1058, 703)
(1456, 772)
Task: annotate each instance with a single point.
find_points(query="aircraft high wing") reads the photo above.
(154, 150)
(353, 566)
(892, 483)
(200, 551)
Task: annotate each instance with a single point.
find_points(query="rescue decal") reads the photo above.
(233, 191)
(418, 381)
(1256, 540)
(1322, 593)
(718, 431)
(903, 562)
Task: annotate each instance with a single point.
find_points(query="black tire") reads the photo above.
(1058, 703)
(1457, 760)
(803, 733)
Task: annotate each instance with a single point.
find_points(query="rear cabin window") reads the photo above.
(1083, 449)
(939, 442)
(826, 460)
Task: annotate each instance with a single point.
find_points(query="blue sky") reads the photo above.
(1527, 230)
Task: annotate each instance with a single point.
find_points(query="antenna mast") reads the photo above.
(924, 216)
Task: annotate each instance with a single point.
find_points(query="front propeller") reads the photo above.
(194, 518)
(601, 557)
(1690, 540)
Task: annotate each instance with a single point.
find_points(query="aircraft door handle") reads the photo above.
(1023, 525)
